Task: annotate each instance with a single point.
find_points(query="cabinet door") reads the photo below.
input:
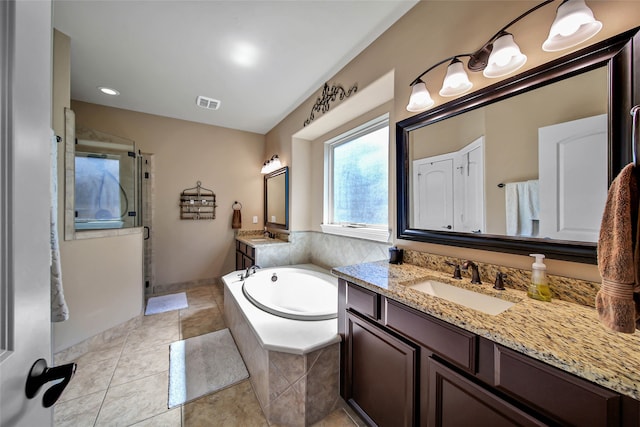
(456, 401)
(380, 374)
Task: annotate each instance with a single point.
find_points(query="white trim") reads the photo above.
(367, 233)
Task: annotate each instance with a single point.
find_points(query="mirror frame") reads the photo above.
(618, 54)
(285, 171)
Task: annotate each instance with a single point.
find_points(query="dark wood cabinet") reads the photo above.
(456, 401)
(402, 367)
(557, 394)
(381, 374)
(245, 255)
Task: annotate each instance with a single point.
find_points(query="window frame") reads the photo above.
(376, 232)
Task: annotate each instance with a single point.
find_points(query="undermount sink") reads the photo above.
(260, 239)
(474, 300)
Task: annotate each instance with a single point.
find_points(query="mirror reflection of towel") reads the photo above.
(522, 208)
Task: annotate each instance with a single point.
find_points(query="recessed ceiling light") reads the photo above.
(109, 91)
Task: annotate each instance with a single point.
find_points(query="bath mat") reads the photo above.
(164, 303)
(202, 365)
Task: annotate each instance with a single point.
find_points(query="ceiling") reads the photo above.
(260, 58)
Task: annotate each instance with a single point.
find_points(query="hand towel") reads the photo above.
(522, 208)
(619, 254)
(236, 221)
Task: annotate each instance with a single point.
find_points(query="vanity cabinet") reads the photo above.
(401, 366)
(455, 400)
(371, 352)
(245, 255)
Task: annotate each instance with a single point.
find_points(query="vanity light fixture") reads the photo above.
(500, 55)
(271, 165)
(108, 91)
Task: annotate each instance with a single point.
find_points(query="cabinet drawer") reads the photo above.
(363, 301)
(560, 395)
(449, 342)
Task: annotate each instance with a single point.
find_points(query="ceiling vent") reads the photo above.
(208, 103)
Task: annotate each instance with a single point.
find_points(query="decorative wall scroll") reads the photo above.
(328, 96)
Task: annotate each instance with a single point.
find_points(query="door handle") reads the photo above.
(148, 230)
(40, 374)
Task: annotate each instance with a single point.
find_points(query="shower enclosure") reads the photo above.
(107, 184)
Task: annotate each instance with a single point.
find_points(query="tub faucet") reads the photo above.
(251, 270)
(475, 273)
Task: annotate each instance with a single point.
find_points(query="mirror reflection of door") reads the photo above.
(573, 178)
(449, 190)
(433, 195)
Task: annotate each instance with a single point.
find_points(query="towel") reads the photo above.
(522, 208)
(236, 221)
(59, 309)
(619, 255)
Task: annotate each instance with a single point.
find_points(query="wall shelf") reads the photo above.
(197, 203)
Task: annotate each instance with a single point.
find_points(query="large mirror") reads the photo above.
(276, 199)
(524, 165)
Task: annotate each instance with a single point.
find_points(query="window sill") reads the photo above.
(367, 233)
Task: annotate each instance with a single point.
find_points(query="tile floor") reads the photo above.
(125, 383)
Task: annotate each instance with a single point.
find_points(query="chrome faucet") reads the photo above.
(475, 273)
(251, 270)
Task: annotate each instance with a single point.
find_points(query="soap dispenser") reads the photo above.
(539, 287)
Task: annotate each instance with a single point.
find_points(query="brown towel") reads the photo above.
(619, 255)
(236, 221)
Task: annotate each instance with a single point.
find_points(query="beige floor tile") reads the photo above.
(133, 366)
(134, 401)
(172, 418)
(89, 378)
(231, 407)
(201, 297)
(338, 418)
(105, 353)
(148, 337)
(160, 320)
(79, 412)
(200, 321)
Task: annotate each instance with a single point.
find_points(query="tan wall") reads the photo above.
(102, 278)
(429, 32)
(226, 161)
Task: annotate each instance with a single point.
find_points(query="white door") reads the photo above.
(25, 122)
(469, 188)
(433, 193)
(573, 178)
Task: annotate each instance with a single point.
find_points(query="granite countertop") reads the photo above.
(259, 240)
(566, 335)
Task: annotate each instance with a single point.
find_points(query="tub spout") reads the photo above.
(251, 270)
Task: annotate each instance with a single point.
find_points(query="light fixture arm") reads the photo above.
(479, 59)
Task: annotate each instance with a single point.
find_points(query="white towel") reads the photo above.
(522, 208)
(59, 309)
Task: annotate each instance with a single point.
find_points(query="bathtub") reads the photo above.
(280, 321)
(293, 361)
(293, 293)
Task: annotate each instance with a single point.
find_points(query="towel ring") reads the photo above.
(635, 112)
(236, 204)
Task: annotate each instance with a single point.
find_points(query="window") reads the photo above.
(357, 182)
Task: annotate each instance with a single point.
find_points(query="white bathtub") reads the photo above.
(293, 293)
(293, 364)
(279, 333)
